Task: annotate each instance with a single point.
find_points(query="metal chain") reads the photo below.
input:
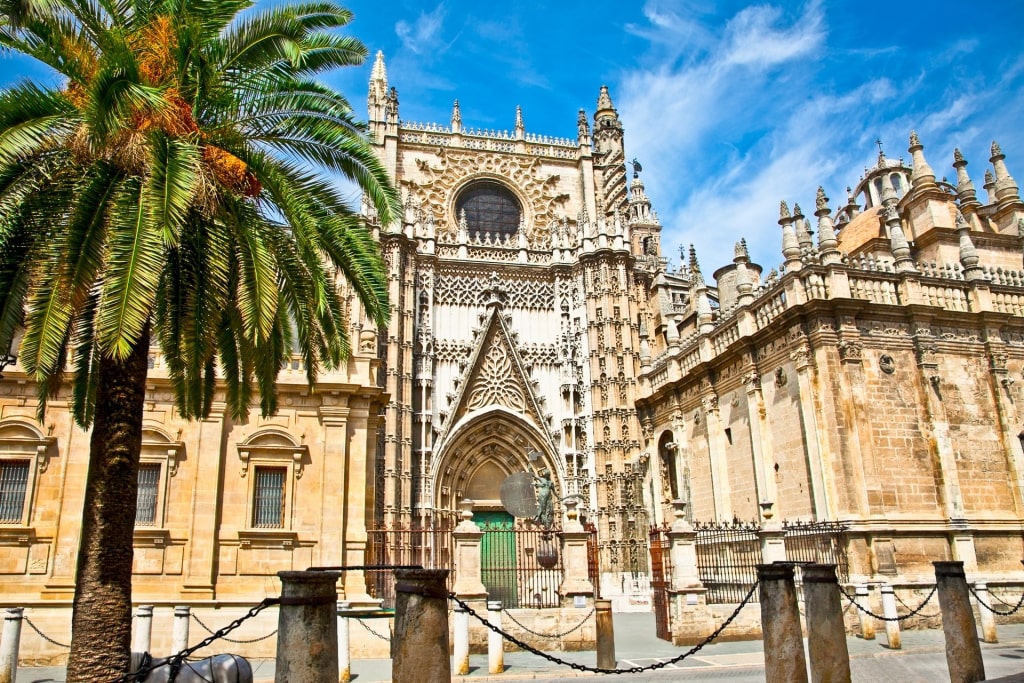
(175, 661)
(999, 599)
(230, 640)
(583, 667)
(913, 612)
(906, 606)
(993, 610)
(386, 639)
(551, 635)
(42, 635)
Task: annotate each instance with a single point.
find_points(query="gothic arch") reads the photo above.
(483, 449)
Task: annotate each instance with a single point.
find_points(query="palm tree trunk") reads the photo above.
(102, 619)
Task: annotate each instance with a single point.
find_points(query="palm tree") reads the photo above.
(173, 188)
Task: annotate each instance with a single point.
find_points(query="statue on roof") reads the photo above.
(637, 168)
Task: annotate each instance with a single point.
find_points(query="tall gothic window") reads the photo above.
(490, 208)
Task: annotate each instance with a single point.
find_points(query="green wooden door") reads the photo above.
(498, 556)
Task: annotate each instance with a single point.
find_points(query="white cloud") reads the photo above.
(753, 37)
(423, 35)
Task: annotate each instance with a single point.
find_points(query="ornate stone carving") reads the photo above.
(886, 364)
(850, 351)
(496, 383)
(781, 379)
(468, 290)
(801, 356)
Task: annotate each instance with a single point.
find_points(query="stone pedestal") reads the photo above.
(307, 628)
(419, 647)
(826, 633)
(467, 537)
(574, 556)
(784, 660)
(963, 654)
(692, 618)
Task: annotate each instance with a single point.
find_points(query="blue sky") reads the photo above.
(729, 106)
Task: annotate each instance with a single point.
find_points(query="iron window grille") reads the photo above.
(146, 500)
(269, 498)
(13, 486)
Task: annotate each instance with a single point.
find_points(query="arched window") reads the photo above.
(490, 208)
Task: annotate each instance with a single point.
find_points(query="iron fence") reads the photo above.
(727, 557)
(822, 542)
(521, 564)
(433, 548)
(661, 578)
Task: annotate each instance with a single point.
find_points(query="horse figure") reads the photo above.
(224, 668)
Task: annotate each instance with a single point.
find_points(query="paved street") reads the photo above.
(922, 660)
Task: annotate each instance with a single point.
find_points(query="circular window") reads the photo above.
(490, 208)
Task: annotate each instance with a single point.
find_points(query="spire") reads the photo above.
(456, 118)
(898, 241)
(923, 175)
(965, 191)
(604, 103)
(378, 92)
(852, 207)
(803, 230)
(701, 303)
(990, 186)
(695, 275)
(968, 253)
(790, 245)
(520, 128)
(744, 283)
(827, 242)
(1006, 189)
(582, 129)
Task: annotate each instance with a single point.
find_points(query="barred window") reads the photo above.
(13, 485)
(145, 505)
(268, 498)
(490, 208)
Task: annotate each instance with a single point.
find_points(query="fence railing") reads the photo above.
(727, 557)
(822, 542)
(432, 548)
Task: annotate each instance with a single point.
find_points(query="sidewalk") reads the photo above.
(636, 646)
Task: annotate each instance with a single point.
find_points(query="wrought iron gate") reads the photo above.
(661, 573)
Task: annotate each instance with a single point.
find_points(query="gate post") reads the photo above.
(575, 563)
(867, 624)
(307, 628)
(784, 660)
(179, 636)
(826, 634)
(469, 587)
(892, 627)
(773, 537)
(963, 654)
(143, 628)
(691, 618)
(9, 644)
(419, 647)
(987, 616)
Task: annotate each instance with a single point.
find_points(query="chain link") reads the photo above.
(386, 639)
(175, 661)
(42, 635)
(553, 636)
(230, 640)
(993, 610)
(592, 669)
(913, 612)
(906, 606)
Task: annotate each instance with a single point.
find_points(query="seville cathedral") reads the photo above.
(873, 379)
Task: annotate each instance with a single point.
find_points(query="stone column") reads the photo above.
(784, 660)
(9, 644)
(419, 647)
(867, 624)
(719, 458)
(495, 643)
(207, 487)
(307, 628)
(963, 654)
(143, 629)
(986, 615)
(179, 636)
(826, 634)
(803, 359)
(460, 653)
(337, 491)
(357, 478)
(576, 580)
(344, 644)
(892, 627)
(760, 441)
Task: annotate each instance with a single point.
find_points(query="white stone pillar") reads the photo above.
(179, 636)
(467, 537)
(344, 649)
(867, 624)
(495, 643)
(9, 644)
(460, 651)
(892, 628)
(143, 628)
(987, 616)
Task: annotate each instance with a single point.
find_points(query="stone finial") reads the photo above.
(922, 175)
(456, 117)
(898, 241)
(996, 150)
(969, 258)
(784, 211)
(520, 127)
(803, 230)
(379, 72)
(957, 156)
(820, 200)
(740, 252)
(582, 128)
(827, 241)
(965, 191)
(1006, 189)
(852, 207)
(990, 186)
(604, 102)
(888, 191)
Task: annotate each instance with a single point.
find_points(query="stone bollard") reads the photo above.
(963, 654)
(985, 613)
(9, 643)
(867, 624)
(179, 636)
(419, 647)
(307, 629)
(605, 634)
(495, 643)
(344, 649)
(892, 628)
(784, 660)
(826, 633)
(143, 628)
(461, 649)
